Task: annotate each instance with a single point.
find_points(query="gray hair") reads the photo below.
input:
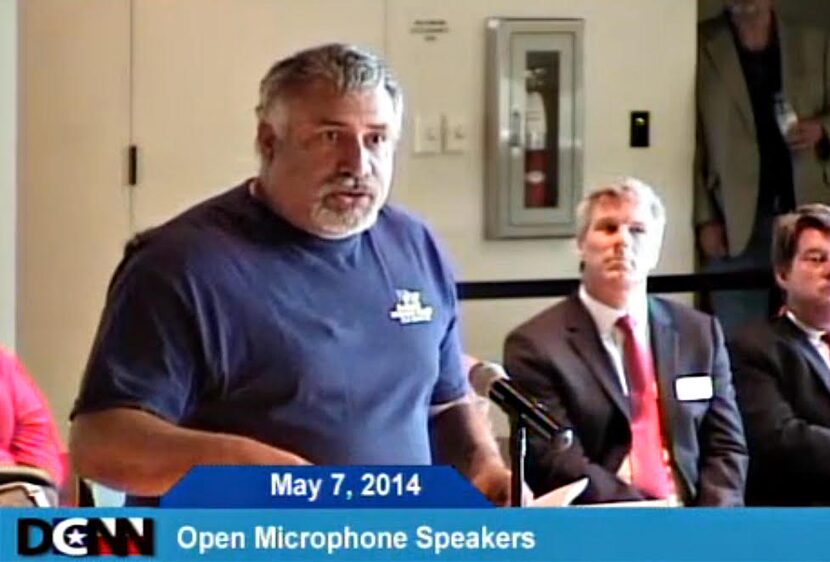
(346, 67)
(626, 188)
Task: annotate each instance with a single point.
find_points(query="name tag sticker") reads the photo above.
(693, 387)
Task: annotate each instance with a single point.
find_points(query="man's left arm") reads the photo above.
(824, 118)
(462, 438)
(812, 133)
(461, 433)
(723, 455)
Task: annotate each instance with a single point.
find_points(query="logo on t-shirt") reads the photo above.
(409, 309)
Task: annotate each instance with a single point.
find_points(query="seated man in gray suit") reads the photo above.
(782, 375)
(644, 382)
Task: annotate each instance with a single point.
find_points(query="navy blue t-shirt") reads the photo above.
(227, 318)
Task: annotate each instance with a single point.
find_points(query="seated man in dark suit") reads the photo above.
(644, 382)
(782, 376)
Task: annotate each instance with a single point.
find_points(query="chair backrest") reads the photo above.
(24, 486)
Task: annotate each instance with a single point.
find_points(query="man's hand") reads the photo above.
(244, 450)
(805, 134)
(493, 482)
(712, 240)
(464, 440)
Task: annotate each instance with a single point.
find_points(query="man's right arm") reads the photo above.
(144, 455)
(710, 230)
(782, 436)
(151, 354)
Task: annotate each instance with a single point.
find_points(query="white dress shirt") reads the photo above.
(605, 318)
(814, 336)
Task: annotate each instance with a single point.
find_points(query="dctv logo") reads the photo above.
(82, 536)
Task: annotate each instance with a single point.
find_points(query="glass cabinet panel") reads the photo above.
(534, 105)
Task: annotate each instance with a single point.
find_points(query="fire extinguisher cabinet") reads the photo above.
(534, 126)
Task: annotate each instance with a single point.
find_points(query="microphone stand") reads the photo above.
(560, 440)
(523, 411)
(518, 451)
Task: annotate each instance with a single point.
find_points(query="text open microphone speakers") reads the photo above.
(490, 380)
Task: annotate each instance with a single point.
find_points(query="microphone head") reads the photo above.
(564, 439)
(484, 374)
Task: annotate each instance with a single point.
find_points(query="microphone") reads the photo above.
(491, 380)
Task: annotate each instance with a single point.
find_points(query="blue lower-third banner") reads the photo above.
(417, 534)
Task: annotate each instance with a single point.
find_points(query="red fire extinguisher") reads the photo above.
(536, 152)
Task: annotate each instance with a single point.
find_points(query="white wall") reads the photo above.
(8, 169)
(639, 55)
(73, 204)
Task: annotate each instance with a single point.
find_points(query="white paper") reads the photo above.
(561, 497)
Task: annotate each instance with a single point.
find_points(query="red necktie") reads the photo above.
(649, 471)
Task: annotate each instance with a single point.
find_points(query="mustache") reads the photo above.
(348, 182)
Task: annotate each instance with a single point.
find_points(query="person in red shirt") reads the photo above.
(28, 435)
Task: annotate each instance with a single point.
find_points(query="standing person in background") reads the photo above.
(296, 318)
(763, 99)
(644, 382)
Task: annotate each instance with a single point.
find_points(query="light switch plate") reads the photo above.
(456, 134)
(427, 132)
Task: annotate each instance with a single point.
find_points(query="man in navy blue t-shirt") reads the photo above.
(294, 319)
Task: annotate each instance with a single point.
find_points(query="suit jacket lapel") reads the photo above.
(800, 340)
(723, 53)
(584, 340)
(664, 345)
